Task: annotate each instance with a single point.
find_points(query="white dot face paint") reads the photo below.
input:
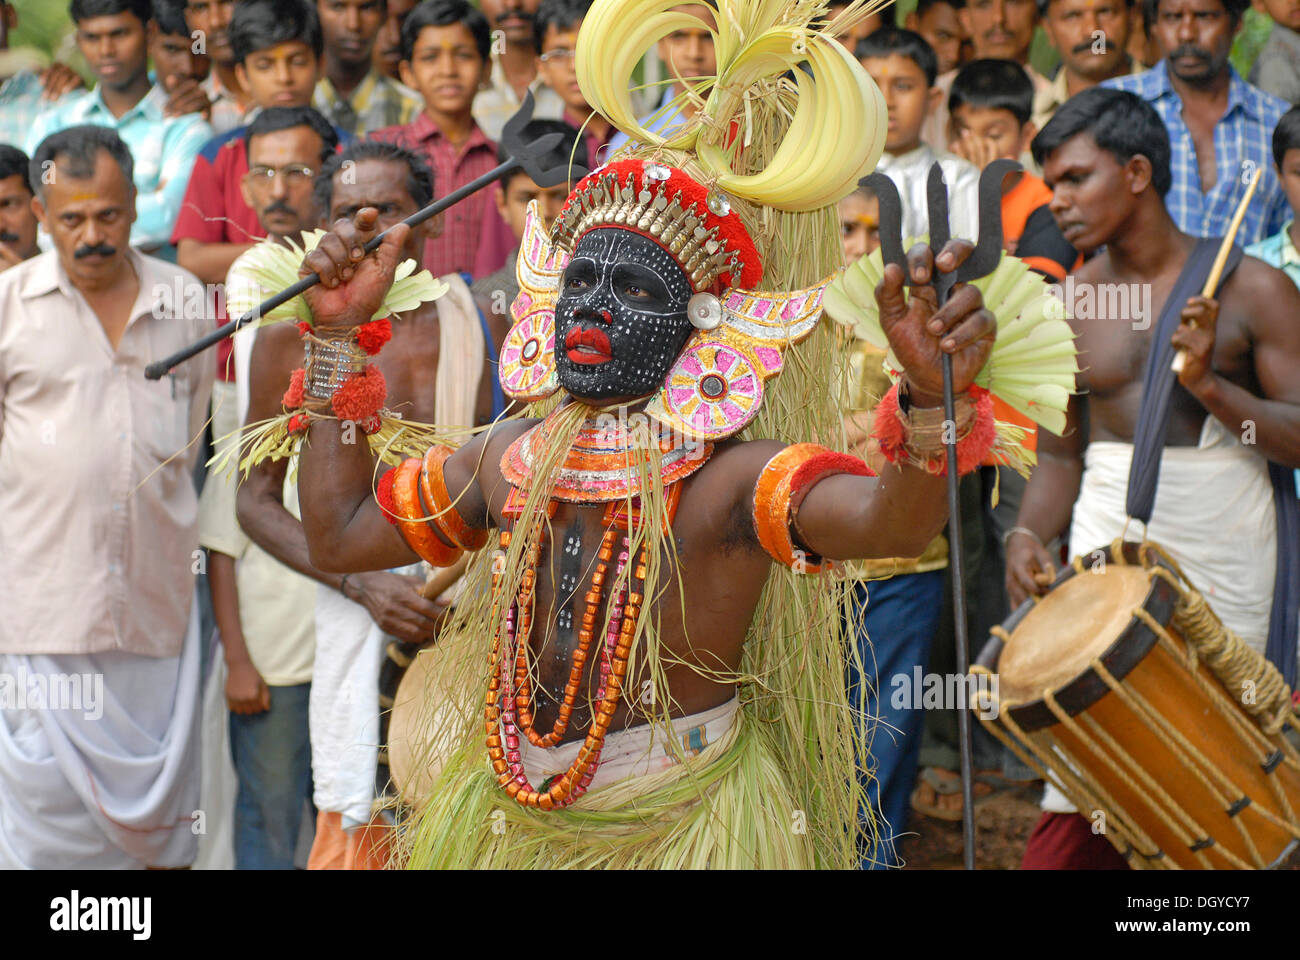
(621, 317)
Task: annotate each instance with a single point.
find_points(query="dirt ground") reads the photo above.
(1003, 823)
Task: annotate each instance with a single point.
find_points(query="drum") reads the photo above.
(1122, 687)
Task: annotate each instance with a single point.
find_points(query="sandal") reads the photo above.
(988, 783)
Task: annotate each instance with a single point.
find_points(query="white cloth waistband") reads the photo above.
(636, 752)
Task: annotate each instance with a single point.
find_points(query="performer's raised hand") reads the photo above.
(920, 332)
(353, 285)
(1195, 337)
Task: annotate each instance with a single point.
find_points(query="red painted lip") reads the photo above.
(589, 347)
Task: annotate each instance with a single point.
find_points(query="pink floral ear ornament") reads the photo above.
(716, 387)
(527, 366)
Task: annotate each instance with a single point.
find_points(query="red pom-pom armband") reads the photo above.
(918, 436)
(781, 488)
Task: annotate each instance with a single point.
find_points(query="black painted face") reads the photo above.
(620, 320)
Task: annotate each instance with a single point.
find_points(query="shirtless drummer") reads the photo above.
(1106, 156)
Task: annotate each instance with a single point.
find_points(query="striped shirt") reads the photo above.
(377, 102)
(456, 249)
(162, 148)
(1243, 143)
(20, 105)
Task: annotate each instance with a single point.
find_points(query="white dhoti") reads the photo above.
(1213, 514)
(343, 710)
(99, 759)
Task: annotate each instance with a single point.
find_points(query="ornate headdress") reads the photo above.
(736, 196)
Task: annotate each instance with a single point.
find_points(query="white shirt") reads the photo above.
(910, 173)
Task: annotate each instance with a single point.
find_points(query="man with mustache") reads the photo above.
(17, 221)
(352, 94)
(514, 68)
(440, 370)
(113, 36)
(88, 444)
(1106, 156)
(265, 611)
(1220, 127)
(1086, 59)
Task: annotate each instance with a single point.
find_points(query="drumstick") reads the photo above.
(442, 578)
(1221, 258)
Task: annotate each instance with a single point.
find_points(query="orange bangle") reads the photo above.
(781, 488)
(412, 522)
(433, 484)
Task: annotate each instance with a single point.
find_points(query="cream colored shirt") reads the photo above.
(1048, 98)
(277, 605)
(98, 516)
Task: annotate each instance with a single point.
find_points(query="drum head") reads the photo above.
(1075, 623)
(425, 720)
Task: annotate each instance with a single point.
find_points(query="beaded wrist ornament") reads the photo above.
(916, 437)
(335, 377)
(780, 490)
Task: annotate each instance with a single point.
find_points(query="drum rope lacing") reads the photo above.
(1232, 663)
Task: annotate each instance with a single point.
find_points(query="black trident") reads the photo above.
(982, 261)
(523, 156)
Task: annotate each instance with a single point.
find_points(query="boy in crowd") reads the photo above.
(1092, 37)
(514, 69)
(998, 30)
(176, 66)
(556, 27)
(939, 23)
(990, 105)
(387, 57)
(1277, 68)
(446, 47)
(277, 53)
(265, 611)
(859, 223)
(904, 66)
(230, 100)
(29, 83)
(352, 94)
(1279, 250)
(499, 289)
(17, 221)
(113, 37)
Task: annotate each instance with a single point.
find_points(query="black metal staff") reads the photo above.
(982, 261)
(523, 156)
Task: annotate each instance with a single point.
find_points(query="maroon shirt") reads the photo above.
(457, 249)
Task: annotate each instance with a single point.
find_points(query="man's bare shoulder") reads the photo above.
(1263, 294)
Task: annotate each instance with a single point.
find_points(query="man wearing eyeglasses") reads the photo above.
(265, 611)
